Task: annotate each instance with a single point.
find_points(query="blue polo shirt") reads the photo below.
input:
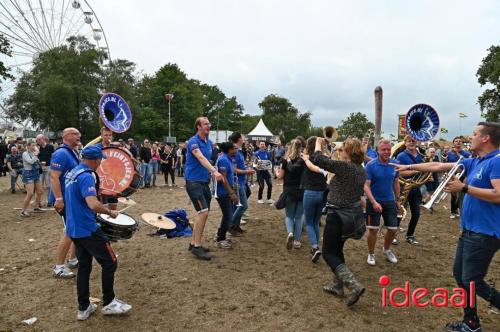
(262, 155)
(477, 215)
(63, 160)
(382, 178)
(453, 156)
(80, 219)
(406, 158)
(225, 165)
(240, 163)
(194, 170)
(371, 153)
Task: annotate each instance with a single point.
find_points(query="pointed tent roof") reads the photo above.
(260, 130)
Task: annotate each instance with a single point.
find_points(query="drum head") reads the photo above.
(116, 172)
(157, 220)
(121, 220)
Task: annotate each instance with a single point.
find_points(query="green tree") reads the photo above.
(248, 122)
(224, 113)
(489, 73)
(62, 88)
(356, 125)
(284, 119)
(5, 49)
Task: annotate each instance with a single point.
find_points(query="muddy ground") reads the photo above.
(256, 286)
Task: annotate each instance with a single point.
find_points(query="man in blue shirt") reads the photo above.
(453, 156)
(480, 238)
(226, 196)
(381, 189)
(411, 156)
(62, 162)
(370, 153)
(198, 173)
(264, 168)
(241, 172)
(90, 241)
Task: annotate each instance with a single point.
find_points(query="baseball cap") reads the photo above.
(92, 152)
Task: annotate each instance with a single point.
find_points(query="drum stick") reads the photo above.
(124, 208)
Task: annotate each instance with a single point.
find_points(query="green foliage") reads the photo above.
(489, 74)
(61, 90)
(284, 119)
(6, 49)
(356, 125)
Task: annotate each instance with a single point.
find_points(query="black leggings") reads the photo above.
(261, 177)
(333, 245)
(167, 172)
(414, 200)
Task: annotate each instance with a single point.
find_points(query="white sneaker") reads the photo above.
(260, 201)
(72, 264)
(453, 216)
(243, 222)
(289, 241)
(390, 256)
(224, 244)
(371, 260)
(270, 201)
(83, 315)
(297, 244)
(116, 307)
(63, 272)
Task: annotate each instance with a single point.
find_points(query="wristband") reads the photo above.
(410, 167)
(465, 189)
(59, 199)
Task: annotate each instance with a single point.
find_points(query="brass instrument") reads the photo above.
(330, 134)
(114, 113)
(458, 170)
(236, 188)
(422, 124)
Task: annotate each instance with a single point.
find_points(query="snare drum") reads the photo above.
(119, 228)
(119, 173)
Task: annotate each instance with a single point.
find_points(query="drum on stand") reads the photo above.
(119, 173)
(122, 227)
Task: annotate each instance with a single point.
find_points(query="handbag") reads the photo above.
(353, 220)
(281, 202)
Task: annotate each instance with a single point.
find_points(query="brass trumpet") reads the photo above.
(330, 134)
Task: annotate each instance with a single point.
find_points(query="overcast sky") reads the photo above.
(325, 56)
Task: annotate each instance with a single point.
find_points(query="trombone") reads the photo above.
(438, 195)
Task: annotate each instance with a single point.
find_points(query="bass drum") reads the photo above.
(119, 173)
(119, 228)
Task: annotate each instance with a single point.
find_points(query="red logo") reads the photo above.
(399, 297)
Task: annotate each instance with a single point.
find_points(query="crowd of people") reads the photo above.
(355, 185)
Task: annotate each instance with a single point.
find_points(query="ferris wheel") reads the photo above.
(36, 26)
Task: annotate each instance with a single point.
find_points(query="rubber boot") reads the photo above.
(349, 280)
(336, 289)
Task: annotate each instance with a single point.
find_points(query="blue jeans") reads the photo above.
(313, 206)
(145, 174)
(238, 213)
(474, 254)
(226, 206)
(154, 165)
(293, 218)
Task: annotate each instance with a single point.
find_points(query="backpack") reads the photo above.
(182, 227)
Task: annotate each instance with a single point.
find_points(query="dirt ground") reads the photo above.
(256, 286)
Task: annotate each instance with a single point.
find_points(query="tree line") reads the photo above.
(64, 84)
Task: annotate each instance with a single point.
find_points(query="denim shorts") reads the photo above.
(389, 213)
(200, 195)
(31, 176)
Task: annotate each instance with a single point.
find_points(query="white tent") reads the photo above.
(260, 133)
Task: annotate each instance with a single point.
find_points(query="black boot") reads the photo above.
(349, 280)
(337, 288)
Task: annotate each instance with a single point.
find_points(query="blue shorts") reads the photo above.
(200, 195)
(31, 176)
(389, 213)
